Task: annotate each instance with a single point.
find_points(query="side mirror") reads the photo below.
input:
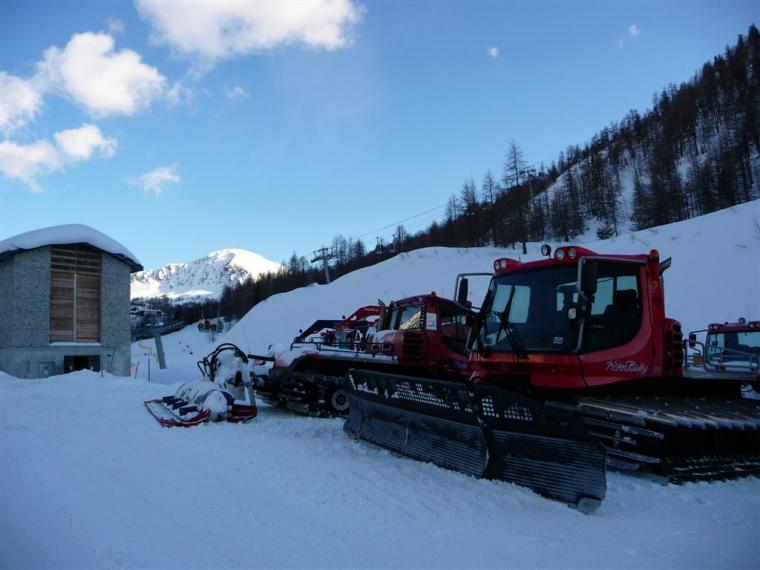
(462, 292)
(589, 273)
(692, 340)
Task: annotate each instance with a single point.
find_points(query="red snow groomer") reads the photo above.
(352, 330)
(574, 366)
(224, 394)
(339, 332)
(728, 349)
(422, 335)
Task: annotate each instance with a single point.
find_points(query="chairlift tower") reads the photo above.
(324, 255)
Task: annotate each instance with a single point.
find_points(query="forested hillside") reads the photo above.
(695, 151)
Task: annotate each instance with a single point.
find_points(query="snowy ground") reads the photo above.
(182, 350)
(90, 480)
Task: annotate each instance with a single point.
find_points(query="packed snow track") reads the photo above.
(90, 480)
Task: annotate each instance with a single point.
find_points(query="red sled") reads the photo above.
(198, 402)
(169, 418)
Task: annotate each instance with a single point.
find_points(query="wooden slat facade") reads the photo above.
(75, 294)
(62, 292)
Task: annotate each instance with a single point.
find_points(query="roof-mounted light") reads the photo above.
(546, 250)
(559, 255)
(571, 253)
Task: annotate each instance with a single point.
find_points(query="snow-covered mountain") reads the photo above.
(203, 278)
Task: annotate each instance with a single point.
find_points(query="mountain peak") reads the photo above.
(203, 278)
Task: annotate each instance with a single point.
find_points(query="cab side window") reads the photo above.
(616, 310)
(454, 327)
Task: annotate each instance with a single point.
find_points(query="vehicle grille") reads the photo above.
(673, 346)
(413, 346)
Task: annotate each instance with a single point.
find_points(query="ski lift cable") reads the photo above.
(394, 224)
(417, 224)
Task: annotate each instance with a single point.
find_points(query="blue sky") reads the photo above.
(178, 132)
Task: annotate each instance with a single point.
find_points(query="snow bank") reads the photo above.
(715, 276)
(68, 234)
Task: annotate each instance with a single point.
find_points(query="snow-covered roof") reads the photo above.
(68, 234)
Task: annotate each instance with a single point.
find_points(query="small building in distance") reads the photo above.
(64, 302)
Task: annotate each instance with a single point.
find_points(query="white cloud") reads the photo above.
(631, 33)
(79, 144)
(210, 31)
(235, 93)
(102, 80)
(115, 26)
(155, 180)
(493, 52)
(20, 101)
(26, 162)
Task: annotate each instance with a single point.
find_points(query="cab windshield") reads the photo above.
(404, 318)
(534, 305)
(733, 345)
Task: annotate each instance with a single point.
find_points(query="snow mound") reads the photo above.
(68, 234)
(202, 278)
(715, 277)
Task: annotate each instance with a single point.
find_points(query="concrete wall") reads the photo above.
(6, 300)
(31, 298)
(114, 305)
(25, 349)
(114, 316)
(26, 301)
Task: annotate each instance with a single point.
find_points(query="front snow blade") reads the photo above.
(240, 413)
(482, 431)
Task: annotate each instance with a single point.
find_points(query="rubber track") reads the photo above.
(308, 393)
(681, 438)
(482, 431)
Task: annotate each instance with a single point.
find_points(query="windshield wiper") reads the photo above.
(513, 337)
(480, 322)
